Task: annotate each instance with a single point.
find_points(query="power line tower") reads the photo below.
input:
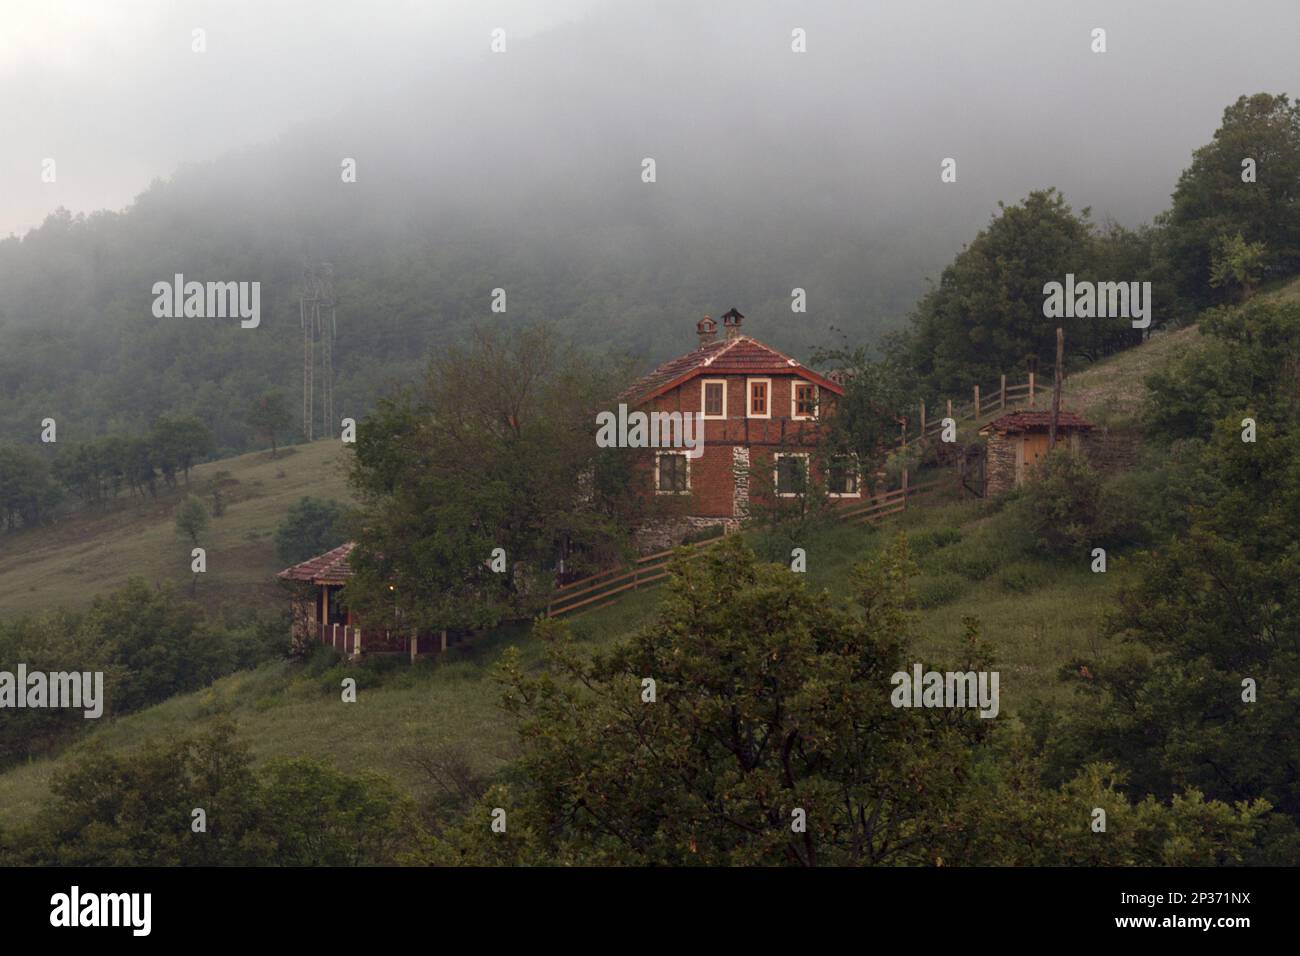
(316, 313)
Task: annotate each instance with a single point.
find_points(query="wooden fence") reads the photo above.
(607, 585)
(601, 590)
(983, 402)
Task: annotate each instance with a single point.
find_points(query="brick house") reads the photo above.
(1016, 442)
(761, 410)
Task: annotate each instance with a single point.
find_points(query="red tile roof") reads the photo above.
(329, 568)
(1025, 421)
(741, 355)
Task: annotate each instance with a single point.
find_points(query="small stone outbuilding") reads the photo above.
(1018, 440)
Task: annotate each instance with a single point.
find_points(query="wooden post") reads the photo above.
(356, 640)
(950, 408)
(415, 644)
(977, 403)
(903, 425)
(1056, 387)
(923, 419)
(1002, 396)
(1031, 389)
(444, 640)
(904, 489)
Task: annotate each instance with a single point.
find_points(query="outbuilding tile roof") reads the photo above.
(1034, 421)
(332, 567)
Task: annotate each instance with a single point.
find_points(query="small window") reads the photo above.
(842, 478)
(759, 398)
(671, 477)
(791, 475)
(805, 401)
(715, 399)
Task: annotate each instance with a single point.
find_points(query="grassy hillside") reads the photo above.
(973, 561)
(95, 550)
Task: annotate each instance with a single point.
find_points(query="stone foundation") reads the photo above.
(656, 536)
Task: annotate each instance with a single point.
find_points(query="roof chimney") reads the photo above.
(708, 330)
(731, 319)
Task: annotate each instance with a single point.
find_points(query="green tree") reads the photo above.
(310, 527)
(1248, 365)
(986, 315)
(495, 450)
(769, 699)
(191, 518)
(1237, 263)
(1212, 200)
(269, 416)
(1061, 505)
(178, 443)
(28, 492)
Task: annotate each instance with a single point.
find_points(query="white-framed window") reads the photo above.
(758, 398)
(672, 473)
(791, 473)
(713, 398)
(803, 399)
(844, 477)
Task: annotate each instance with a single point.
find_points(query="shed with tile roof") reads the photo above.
(1019, 440)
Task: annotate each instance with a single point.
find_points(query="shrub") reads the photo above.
(941, 589)
(1061, 504)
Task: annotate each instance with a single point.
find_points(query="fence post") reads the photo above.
(415, 644)
(923, 419)
(636, 571)
(444, 639)
(903, 425)
(1002, 395)
(905, 489)
(977, 403)
(950, 408)
(1031, 389)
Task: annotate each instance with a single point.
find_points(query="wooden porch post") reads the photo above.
(1031, 389)
(1002, 395)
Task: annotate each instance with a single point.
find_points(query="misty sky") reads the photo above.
(859, 123)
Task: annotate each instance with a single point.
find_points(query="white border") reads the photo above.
(794, 404)
(749, 397)
(680, 454)
(857, 470)
(704, 384)
(776, 472)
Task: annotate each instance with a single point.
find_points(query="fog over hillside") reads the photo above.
(522, 169)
